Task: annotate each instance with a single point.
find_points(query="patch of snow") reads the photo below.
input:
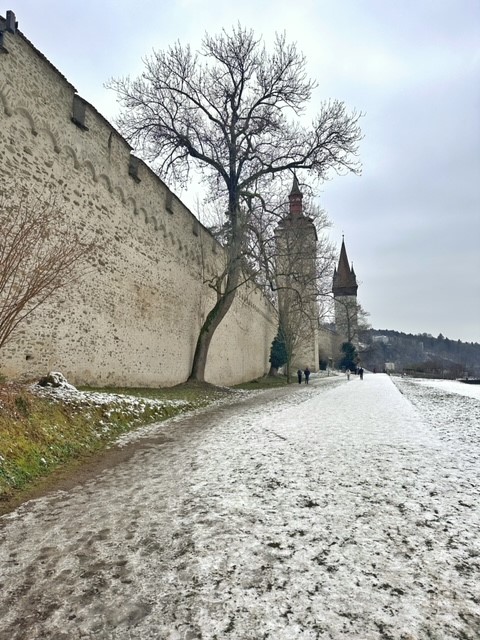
(451, 386)
(71, 395)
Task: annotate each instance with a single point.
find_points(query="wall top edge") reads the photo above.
(44, 58)
(106, 122)
(38, 52)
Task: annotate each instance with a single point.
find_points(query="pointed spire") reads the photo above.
(343, 261)
(344, 278)
(295, 199)
(295, 188)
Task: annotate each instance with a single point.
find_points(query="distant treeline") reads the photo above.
(421, 353)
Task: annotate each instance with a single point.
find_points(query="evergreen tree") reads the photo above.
(278, 352)
(349, 359)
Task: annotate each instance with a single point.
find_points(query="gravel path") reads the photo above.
(334, 510)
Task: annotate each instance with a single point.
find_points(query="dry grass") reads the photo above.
(40, 434)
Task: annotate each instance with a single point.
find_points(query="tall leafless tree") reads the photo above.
(351, 319)
(233, 110)
(40, 254)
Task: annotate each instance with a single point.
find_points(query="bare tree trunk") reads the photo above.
(289, 377)
(213, 319)
(217, 313)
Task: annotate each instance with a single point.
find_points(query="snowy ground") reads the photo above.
(337, 510)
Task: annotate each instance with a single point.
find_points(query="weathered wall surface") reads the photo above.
(328, 344)
(135, 318)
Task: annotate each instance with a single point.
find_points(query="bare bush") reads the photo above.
(40, 254)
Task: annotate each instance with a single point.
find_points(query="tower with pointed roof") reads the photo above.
(296, 242)
(345, 295)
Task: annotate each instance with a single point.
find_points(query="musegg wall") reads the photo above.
(133, 320)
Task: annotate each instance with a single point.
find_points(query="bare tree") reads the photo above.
(233, 110)
(40, 254)
(297, 327)
(351, 318)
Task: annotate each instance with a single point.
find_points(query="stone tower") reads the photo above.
(345, 295)
(296, 243)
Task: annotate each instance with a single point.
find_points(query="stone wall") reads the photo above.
(328, 344)
(135, 318)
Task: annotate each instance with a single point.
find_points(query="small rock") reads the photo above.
(55, 379)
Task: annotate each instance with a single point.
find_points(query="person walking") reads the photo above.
(307, 375)
(348, 374)
(360, 373)
(299, 376)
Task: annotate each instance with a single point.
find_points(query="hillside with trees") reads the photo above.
(421, 354)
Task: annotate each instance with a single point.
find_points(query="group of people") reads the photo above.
(306, 374)
(301, 374)
(359, 371)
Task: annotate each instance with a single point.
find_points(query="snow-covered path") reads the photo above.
(337, 510)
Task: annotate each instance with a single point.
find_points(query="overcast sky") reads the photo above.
(412, 220)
